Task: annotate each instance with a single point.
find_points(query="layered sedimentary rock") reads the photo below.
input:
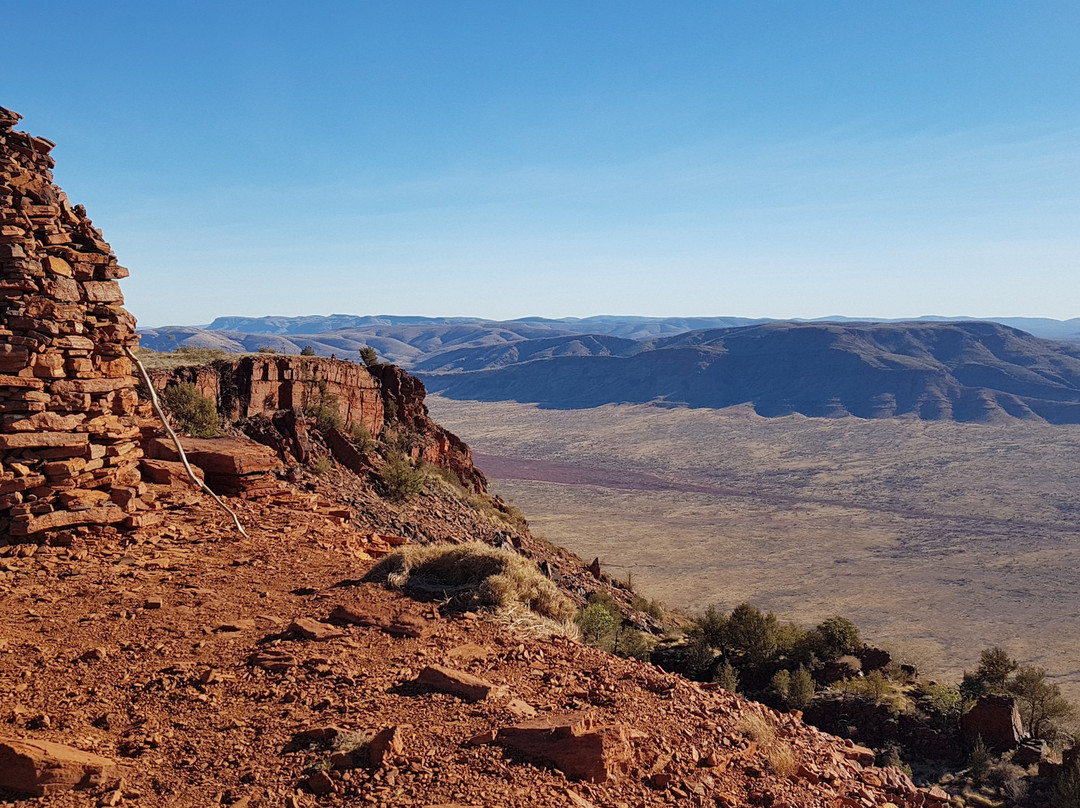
(69, 447)
(270, 391)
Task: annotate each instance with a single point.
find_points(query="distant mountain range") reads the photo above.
(932, 368)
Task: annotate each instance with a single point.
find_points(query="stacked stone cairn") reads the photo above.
(69, 451)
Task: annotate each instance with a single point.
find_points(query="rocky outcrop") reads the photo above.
(252, 385)
(270, 393)
(68, 431)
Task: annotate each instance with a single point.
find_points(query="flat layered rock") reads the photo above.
(314, 630)
(168, 472)
(217, 456)
(573, 743)
(458, 683)
(42, 768)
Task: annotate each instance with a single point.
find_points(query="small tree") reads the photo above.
(752, 631)
(1042, 707)
(307, 350)
(713, 625)
(838, 636)
(402, 480)
(801, 690)
(727, 677)
(781, 683)
(368, 356)
(597, 624)
(979, 760)
(995, 667)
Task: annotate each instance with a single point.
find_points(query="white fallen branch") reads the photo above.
(176, 441)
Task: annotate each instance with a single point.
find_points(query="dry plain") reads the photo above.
(938, 538)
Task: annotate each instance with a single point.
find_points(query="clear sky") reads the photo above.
(503, 159)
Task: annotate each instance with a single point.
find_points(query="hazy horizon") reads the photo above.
(860, 317)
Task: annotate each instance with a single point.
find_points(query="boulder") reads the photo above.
(43, 768)
(997, 720)
(573, 743)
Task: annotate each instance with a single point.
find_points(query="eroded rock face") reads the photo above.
(67, 394)
(43, 768)
(269, 390)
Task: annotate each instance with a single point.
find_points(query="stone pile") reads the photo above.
(69, 433)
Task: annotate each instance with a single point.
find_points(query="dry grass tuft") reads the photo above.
(474, 574)
(520, 619)
(782, 760)
(754, 726)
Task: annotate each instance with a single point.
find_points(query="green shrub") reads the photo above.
(653, 608)
(598, 625)
(307, 350)
(602, 597)
(321, 466)
(368, 356)
(192, 412)
(325, 408)
(727, 677)
(361, 435)
(632, 643)
(979, 760)
(403, 482)
(266, 349)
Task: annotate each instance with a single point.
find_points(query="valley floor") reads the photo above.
(938, 539)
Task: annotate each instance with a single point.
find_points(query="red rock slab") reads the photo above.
(42, 768)
(222, 456)
(168, 472)
(573, 743)
(402, 624)
(458, 683)
(314, 630)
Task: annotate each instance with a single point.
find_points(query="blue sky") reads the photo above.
(503, 159)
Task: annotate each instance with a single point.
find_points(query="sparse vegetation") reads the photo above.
(782, 760)
(181, 357)
(321, 466)
(323, 406)
(192, 412)
(473, 575)
(755, 727)
(1066, 792)
(361, 436)
(653, 608)
(598, 625)
(402, 480)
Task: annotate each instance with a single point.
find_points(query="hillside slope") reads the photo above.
(960, 371)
